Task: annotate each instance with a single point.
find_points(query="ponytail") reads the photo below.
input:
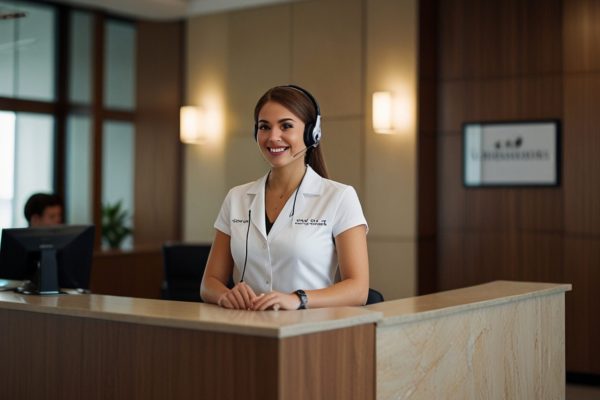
(314, 158)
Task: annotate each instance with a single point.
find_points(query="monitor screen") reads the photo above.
(48, 258)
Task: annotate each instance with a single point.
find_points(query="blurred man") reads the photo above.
(43, 209)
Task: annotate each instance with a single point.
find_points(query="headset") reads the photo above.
(312, 130)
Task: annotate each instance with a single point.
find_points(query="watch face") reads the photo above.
(303, 299)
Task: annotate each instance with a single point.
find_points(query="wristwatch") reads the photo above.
(303, 299)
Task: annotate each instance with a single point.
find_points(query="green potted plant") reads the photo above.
(114, 219)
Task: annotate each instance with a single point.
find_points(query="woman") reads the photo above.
(283, 237)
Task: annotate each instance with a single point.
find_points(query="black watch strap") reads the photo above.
(303, 299)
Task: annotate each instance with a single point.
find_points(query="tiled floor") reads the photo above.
(582, 392)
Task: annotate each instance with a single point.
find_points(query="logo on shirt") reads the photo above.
(311, 222)
(239, 221)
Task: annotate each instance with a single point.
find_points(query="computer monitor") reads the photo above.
(49, 258)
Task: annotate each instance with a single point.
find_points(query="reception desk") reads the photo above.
(499, 340)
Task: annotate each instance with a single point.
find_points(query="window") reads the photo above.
(27, 154)
(118, 157)
(51, 118)
(27, 51)
(78, 170)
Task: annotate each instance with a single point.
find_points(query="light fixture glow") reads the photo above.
(191, 125)
(383, 112)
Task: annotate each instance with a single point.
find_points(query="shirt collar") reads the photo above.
(312, 184)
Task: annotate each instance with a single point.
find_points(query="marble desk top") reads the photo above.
(189, 315)
(438, 304)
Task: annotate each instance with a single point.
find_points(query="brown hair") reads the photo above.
(302, 106)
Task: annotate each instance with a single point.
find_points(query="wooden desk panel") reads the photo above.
(109, 347)
(55, 356)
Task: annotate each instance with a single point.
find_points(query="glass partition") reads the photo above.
(27, 160)
(119, 65)
(29, 55)
(27, 51)
(78, 170)
(8, 31)
(7, 168)
(118, 164)
(80, 62)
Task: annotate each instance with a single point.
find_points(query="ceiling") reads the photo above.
(170, 9)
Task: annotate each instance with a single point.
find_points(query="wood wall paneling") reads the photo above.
(427, 106)
(498, 99)
(581, 258)
(581, 150)
(541, 257)
(515, 60)
(539, 36)
(499, 38)
(452, 195)
(492, 99)
(452, 99)
(490, 256)
(541, 209)
(427, 159)
(581, 35)
(427, 260)
(427, 185)
(541, 97)
(491, 209)
(428, 44)
(157, 159)
(451, 260)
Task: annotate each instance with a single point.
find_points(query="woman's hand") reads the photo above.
(276, 301)
(241, 297)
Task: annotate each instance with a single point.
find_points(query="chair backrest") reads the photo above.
(184, 266)
(374, 297)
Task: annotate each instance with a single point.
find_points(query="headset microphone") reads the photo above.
(304, 149)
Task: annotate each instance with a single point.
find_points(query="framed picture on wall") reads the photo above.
(516, 153)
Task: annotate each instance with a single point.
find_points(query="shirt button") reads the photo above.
(267, 282)
(264, 246)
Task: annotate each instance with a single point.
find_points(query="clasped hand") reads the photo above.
(242, 297)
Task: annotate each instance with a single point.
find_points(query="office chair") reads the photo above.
(183, 266)
(374, 297)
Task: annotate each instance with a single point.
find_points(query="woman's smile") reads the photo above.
(277, 151)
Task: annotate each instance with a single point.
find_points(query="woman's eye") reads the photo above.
(287, 126)
(263, 127)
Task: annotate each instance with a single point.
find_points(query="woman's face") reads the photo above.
(280, 135)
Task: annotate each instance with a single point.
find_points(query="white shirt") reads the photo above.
(299, 251)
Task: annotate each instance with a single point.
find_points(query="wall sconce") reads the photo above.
(383, 112)
(392, 113)
(191, 125)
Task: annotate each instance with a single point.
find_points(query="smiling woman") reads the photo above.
(292, 239)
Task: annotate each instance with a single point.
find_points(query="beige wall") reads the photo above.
(340, 50)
